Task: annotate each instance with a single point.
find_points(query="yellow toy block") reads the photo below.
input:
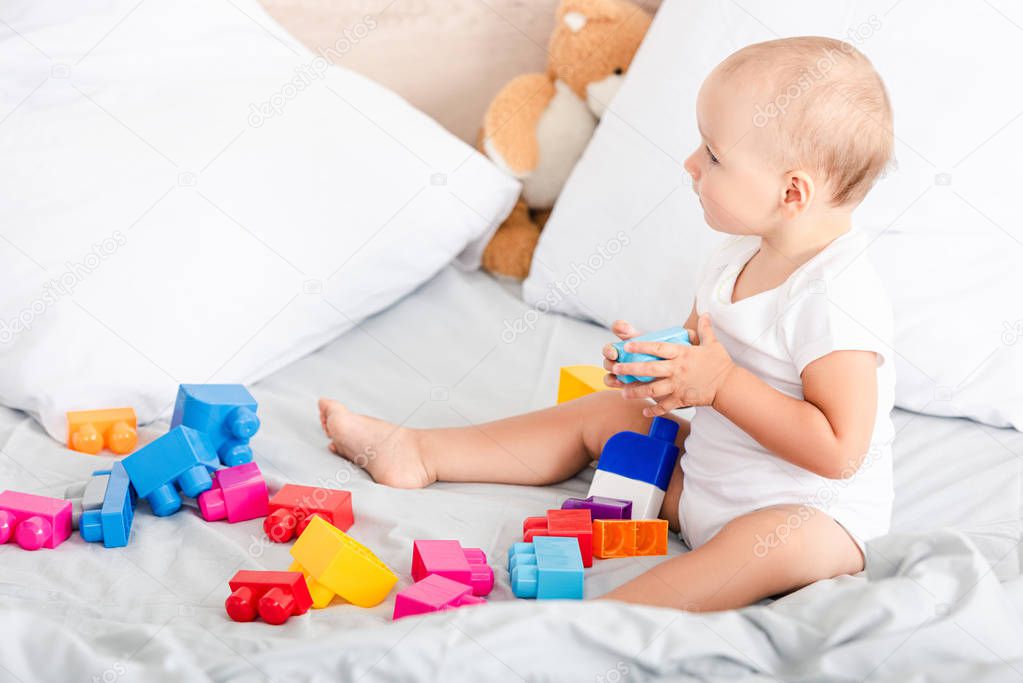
(580, 380)
(334, 563)
(88, 431)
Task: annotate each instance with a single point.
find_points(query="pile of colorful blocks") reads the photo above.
(618, 519)
(206, 456)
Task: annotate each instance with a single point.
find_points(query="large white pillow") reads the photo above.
(189, 195)
(627, 236)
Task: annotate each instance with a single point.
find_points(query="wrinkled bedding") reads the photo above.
(940, 595)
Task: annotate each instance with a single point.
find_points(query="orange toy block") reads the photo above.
(88, 431)
(575, 523)
(630, 537)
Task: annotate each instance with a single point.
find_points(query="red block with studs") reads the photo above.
(274, 596)
(575, 523)
(294, 506)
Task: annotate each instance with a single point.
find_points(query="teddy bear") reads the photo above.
(538, 125)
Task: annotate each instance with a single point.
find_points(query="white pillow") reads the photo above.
(626, 238)
(189, 195)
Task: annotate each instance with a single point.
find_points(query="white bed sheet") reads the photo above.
(446, 355)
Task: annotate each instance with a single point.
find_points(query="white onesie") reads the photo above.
(834, 301)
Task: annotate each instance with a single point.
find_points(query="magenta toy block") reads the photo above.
(450, 560)
(34, 521)
(239, 493)
(433, 594)
(601, 507)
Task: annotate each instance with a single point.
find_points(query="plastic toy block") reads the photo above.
(274, 596)
(434, 593)
(111, 523)
(34, 521)
(575, 381)
(630, 537)
(601, 507)
(549, 568)
(87, 496)
(450, 560)
(292, 506)
(88, 431)
(671, 335)
(568, 523)
(334, 563)
(225, 413)
(239, 493)
(637, 467)
(176, 459)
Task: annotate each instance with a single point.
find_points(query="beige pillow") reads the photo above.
(447, 57)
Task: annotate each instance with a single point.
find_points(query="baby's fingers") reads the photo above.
(665, 350)
(661, 387)
(623, 329)
(643, 369)
(614, 382)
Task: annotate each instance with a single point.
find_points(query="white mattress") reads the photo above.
(446, 355)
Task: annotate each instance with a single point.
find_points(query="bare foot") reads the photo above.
(389, 453)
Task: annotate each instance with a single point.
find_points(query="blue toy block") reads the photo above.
(180, 457)
(549, 568)
(225, 413)
(648, 458)
(672, 335)
(112, 522)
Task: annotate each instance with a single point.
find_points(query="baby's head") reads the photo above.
(796, 129)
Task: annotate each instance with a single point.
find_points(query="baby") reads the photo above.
(786, 468)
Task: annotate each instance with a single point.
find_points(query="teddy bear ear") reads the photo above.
(575, 13)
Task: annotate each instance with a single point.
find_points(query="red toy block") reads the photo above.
(630, 537)
(275, 596)
(576, 523)
(435, 593)
(449, 559)
(292, 507)
(34, 521)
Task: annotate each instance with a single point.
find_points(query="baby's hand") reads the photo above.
(688, 375)
(623, 330)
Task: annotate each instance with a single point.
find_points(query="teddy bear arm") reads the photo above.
(509, 126)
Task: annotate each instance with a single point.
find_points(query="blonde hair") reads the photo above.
(828, 106)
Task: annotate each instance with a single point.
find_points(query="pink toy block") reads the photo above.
(450, 560)
(433, 594)
(34, 521)
(239, 493)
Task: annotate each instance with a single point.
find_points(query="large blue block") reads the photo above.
(549, 568)
(671, 335)
(225, 413)
(645, 457)
(179, 458)
(111, 524)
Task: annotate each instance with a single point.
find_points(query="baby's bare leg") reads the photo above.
(542, 447)
(736, 568)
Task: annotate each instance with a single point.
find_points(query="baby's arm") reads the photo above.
(828, 432)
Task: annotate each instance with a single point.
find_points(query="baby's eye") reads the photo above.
(710, 154)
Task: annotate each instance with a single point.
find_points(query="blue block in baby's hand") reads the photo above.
(671, 335)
